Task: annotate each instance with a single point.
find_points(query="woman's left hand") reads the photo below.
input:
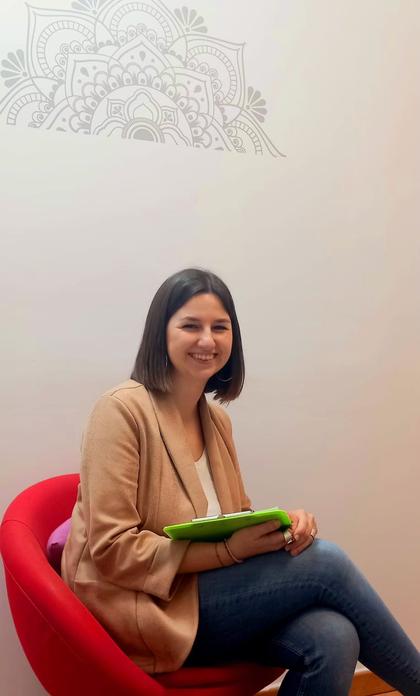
(303, 529)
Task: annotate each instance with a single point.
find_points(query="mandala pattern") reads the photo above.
(133, 69)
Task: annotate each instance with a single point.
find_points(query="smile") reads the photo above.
(202, 357)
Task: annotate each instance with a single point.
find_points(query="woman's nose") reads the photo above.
(206, 339)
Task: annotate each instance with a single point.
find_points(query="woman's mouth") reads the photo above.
(202, 357)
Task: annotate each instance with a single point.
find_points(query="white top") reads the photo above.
(203, 471)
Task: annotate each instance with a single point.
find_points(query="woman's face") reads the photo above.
(199, 338)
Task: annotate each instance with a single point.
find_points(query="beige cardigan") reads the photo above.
(138, 475)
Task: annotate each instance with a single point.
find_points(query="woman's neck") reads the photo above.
(186, 397)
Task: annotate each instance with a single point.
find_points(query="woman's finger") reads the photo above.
(301, 547)
(300, 521)
(306, 540)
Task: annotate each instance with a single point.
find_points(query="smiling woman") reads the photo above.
(199, 343)
(192, 318)
(199, 340)
(155, 453)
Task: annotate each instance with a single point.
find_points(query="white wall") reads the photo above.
(320, 249)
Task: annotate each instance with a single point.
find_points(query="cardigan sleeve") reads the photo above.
(246, 503)
(123, 552)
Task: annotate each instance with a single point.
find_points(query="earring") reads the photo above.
(223, 380)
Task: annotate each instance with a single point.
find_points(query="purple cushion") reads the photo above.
(55, 544)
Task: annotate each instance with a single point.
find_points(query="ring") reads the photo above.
(288, 537)
(313, 534)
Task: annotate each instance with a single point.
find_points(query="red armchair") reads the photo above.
(69, 651)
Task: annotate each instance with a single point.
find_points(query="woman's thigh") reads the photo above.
(243, 603)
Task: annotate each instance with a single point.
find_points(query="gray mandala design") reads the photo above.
(134, 70)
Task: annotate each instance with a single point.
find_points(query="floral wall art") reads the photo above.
(135, 70)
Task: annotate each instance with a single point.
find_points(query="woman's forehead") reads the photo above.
(203, 304)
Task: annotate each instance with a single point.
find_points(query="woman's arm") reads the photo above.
(244, 543)
(124, 553)
(204, 555)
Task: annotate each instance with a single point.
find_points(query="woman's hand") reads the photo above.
(303, 529)
(260, 538)
(267, 537)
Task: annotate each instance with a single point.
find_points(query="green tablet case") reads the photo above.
(218, 527)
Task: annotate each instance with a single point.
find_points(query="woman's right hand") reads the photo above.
(260, 538)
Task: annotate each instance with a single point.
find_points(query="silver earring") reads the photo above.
(223, 380)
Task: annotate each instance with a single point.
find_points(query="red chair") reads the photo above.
(69, 651)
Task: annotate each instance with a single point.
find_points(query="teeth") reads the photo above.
(204, 358)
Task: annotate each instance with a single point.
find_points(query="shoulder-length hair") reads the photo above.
(151, 365)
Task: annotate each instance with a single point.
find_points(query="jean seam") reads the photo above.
(298, 653)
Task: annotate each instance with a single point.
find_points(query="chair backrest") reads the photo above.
(68, 649)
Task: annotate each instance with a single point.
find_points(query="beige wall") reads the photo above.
(320, 249)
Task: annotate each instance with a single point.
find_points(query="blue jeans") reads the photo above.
(314, 614)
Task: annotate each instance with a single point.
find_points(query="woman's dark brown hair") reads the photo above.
(152, 368)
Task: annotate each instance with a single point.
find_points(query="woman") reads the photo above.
(155, 452)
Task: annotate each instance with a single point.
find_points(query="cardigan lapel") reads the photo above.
(173, 435)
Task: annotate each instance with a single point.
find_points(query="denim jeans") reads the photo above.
(314, 613)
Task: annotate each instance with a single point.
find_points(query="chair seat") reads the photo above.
(239, 672)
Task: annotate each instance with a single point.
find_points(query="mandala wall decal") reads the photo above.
(133, 69)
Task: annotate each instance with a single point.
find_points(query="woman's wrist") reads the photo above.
(230, 552)
(223, 555)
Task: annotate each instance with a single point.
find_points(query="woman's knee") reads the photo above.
(320, 646)
(325, 637)
(330, 559)
(337, 637)
(318, 637)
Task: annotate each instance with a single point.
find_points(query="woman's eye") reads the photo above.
(220, 327)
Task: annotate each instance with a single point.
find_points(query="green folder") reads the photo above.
(218, 527)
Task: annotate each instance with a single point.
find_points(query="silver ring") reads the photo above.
(288, 537)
